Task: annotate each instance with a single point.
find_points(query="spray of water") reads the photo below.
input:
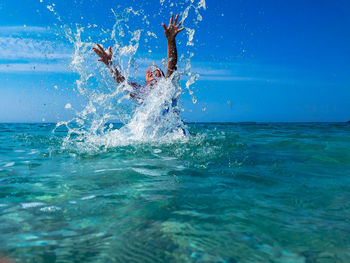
(157, 117)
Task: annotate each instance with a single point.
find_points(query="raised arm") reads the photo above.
(170, 33)
(106, 57)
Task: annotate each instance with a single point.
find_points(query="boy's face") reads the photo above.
(152, 74)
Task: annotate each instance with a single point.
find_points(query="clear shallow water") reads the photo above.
(231, 193)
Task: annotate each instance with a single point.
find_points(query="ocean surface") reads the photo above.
(239, 192)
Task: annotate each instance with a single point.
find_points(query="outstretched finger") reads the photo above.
(110, 50)
(180, 23)
(98, 52)
(101, 48)
(179, 30)
(171, 20)
(176, 17)
(165, 29)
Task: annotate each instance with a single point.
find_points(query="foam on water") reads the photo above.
(157, 118)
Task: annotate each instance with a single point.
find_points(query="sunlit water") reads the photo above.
(153, 189)
(230, 193)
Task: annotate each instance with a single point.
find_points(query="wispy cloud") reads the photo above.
(212, 73)
(229, 78)
(54, 56)
(35, 67)
(7, 30)
(22, 49)
(26, 48)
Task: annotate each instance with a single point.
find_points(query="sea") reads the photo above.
(225, 192)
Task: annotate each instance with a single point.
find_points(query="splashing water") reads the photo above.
(157, 118)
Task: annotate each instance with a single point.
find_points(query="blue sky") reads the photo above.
(257, 60)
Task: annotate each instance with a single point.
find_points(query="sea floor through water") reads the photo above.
(236, 192)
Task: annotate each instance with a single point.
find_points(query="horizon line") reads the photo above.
(204, 122)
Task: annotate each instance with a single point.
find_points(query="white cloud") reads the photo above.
(55, 56)
(229, 78)
(35, 67)
(22, 29)
(205, 72)
(26, 48)
(18, 43)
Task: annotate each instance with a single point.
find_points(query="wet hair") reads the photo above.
(161, 71)
(155, 68)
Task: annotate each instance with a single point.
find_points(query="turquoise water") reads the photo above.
(241, 192)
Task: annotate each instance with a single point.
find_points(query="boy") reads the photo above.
(153, 72)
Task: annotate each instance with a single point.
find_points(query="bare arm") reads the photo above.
(170, 33)
(106, 58)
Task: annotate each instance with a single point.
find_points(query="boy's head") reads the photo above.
(153, 73)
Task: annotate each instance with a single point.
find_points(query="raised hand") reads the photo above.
(170, 33)
(105, 57)
(172, 29)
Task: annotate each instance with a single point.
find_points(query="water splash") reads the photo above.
(157, 118)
